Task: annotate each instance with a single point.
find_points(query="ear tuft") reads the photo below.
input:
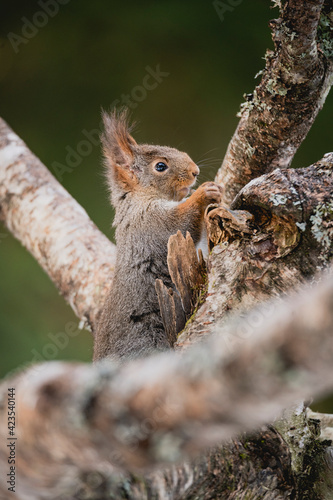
(118, 144)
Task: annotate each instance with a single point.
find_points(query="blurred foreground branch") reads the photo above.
(168, 407)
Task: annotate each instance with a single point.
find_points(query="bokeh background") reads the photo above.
(54, 81)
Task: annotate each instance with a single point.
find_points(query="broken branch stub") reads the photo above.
(188, 273)
(233, 223)
(172, 312)
(186, 269)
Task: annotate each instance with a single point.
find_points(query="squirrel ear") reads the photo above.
(118, 144)
(124, 178)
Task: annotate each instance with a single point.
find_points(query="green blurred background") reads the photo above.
(53, 85)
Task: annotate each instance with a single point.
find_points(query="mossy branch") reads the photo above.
(276, 118)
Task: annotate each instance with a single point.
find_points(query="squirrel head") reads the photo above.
(158, 171)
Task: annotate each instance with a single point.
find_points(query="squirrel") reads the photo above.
(147, 185)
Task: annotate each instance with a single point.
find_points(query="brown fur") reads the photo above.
(148, 212)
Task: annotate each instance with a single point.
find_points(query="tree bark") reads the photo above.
(276, 118)
(54, 228)
(207, 395)
(277, 234)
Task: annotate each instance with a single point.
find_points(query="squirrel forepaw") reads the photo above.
(211, 192)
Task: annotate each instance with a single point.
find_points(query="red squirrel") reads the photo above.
(147, 185)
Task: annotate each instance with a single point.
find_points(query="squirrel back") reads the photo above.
(147, 184)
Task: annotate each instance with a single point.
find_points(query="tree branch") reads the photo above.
(54, 228)
(276, 235)
(276, 118)
(152, 411)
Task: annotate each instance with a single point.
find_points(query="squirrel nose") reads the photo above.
(196, 172)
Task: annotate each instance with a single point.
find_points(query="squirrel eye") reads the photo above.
(160, 166)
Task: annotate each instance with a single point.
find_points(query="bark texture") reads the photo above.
(189, 274)
(276, 118)
(54, 228)
(277, 234)
(169, 407)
